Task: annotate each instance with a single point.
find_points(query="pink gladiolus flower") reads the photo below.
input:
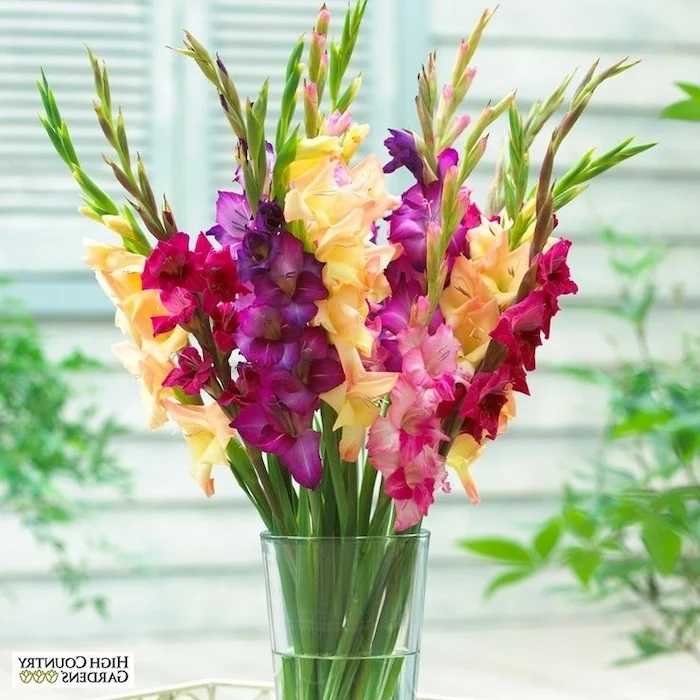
(430, 361)
(410, 423)
(412, 485)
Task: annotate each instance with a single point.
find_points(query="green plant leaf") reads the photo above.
(640, 422)
(693, 91)
(507, 578)
(663, 544)
(579, 523)
(547, 538)
(686, 110)
(583, 562)
(500, 549)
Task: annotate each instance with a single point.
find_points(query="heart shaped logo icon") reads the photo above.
(51, 676)
(39, 676)
(25, 676)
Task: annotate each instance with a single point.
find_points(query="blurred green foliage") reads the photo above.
(628, 528)
(52, 451)
(687, 109)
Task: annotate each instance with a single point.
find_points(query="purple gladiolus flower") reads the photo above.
(256, 254)
(420, 207)
(293, 282)
(402, 149)
(280, 423)
(232, 218)
(265, 340)
(269, 218)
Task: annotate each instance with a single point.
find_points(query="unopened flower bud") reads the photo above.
(318, 42)
(461, 60)
(118, 225)
(459, 124)
(90, 213)
(323, 20)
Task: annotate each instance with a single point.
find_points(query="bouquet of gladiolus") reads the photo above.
(336, 346)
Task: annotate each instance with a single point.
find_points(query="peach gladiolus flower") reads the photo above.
(502, 269)
(151, 374)
(470, 309)
(207, 433)
(118, 272)
(355, 400)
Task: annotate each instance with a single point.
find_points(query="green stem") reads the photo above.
(369, 479)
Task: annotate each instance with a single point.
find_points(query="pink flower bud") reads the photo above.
(318, 40)
(338, 123)
(447, 92)
(311, 92)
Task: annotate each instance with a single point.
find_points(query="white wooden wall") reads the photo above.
(199, 558)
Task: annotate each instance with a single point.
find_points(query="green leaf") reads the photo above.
(687, 110)
(547, 538)
(579, 523)
(640, 422)
(662, 543)
(500, 549)
(693, 91)
(507, 578)
(583, 562)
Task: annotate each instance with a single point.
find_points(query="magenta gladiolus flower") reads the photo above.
(553, 272)
(172, 264)
(220, 274)
(193, 373)
(181, 305)
(224, 325)
(484, 400)
(521, 326)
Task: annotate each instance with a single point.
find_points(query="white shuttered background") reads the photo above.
(201, 572)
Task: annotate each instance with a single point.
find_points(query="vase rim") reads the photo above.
(267, 536)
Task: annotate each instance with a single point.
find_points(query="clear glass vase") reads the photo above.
(346, 615)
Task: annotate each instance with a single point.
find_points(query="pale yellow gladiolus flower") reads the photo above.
(343, 315)
(207, 432)
(465, 450)
(151, 374)
(354, 137)
(355, 400)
